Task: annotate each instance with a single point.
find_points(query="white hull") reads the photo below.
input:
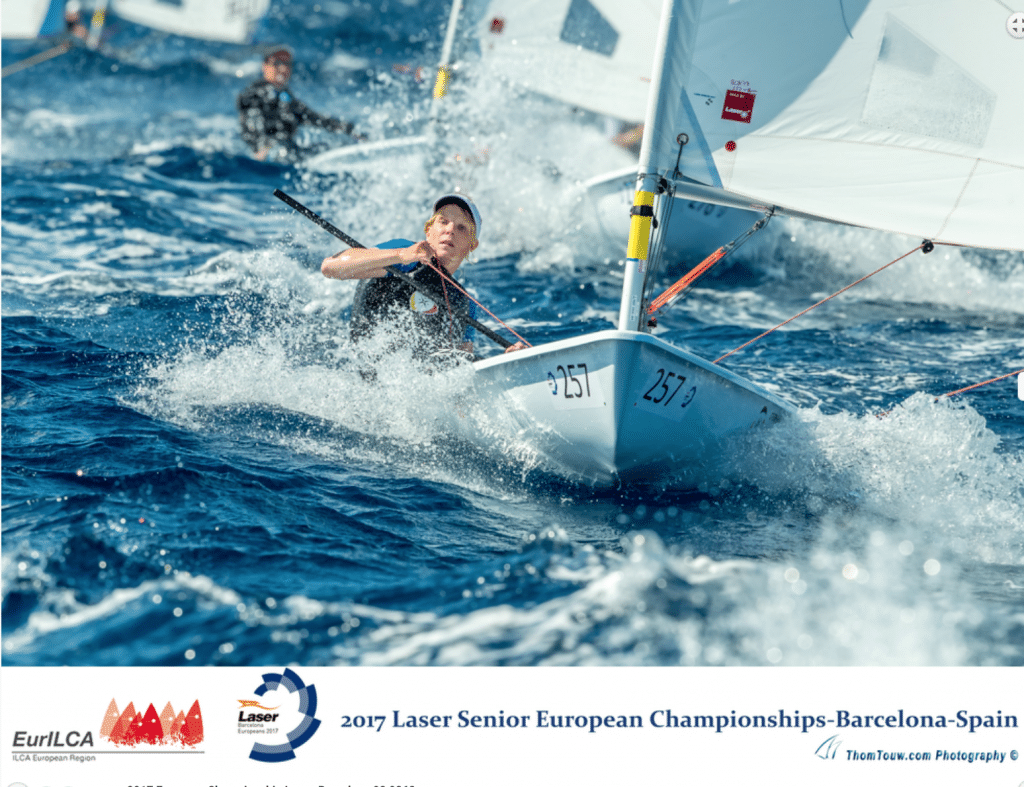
(622, 406)
(377, 156)
(695, 229)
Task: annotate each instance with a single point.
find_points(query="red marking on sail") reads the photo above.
(191, 732)
(738, 106)
(497, 25)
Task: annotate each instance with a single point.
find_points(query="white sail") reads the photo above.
(594, 54)
(798, 105)
(214, 20)
(898, 115)
(31, 18)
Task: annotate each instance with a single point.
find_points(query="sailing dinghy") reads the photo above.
(885, 114)
(233, 21)
(596, 55)
(589, 54)
(32, 18)
(403, 152)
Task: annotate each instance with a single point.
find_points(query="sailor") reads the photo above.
(270, 114)
(431, 324)
(73, 20)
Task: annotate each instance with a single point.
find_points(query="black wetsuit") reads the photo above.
(271, 115)
(429, 326)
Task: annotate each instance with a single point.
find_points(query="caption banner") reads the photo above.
(446, 727)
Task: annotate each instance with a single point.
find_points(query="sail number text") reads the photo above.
(665, 388)
(575, 385)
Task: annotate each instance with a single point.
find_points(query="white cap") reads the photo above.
(463, 202)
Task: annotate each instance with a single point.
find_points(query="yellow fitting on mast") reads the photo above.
(640, 225)
(444, 76)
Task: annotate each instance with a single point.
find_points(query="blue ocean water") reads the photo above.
(194, 474)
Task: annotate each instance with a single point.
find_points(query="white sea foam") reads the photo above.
(651, 606)
(931, 470)
(948, 276)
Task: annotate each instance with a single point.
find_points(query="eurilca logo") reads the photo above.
(130, 728)
(305, 728)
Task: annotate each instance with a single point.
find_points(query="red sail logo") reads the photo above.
(738, 106)
(131, 728)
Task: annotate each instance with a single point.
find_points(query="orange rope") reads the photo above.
(978, 385)
(830, 297)
(673, 292)
(968, 388)
(445, 275)
(686, 281)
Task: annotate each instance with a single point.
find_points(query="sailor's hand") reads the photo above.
(516, 346)
(418, 252)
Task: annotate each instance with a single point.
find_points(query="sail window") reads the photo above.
(915, 89)
(585, 26)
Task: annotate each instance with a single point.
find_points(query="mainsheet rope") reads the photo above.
(923, 245)
(961, 390)
(445, 276)
(928, 245)
(978, 385)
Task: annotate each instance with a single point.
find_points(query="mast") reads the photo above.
(676, 35)
(99, 16)
(444, 67)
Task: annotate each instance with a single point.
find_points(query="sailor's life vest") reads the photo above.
(430, 327)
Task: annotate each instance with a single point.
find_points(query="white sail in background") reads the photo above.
(214, 20)
(594, 54)
(898, 115)
(31, 18)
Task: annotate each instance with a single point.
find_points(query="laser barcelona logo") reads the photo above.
(257, 718)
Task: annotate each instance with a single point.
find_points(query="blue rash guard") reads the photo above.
(431, 326)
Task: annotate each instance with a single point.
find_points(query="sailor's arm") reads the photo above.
(370, 263)
(307, 115)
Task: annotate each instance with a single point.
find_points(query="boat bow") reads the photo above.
(623, 406)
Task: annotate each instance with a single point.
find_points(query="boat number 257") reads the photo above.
(574, 383)
(666, 387)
